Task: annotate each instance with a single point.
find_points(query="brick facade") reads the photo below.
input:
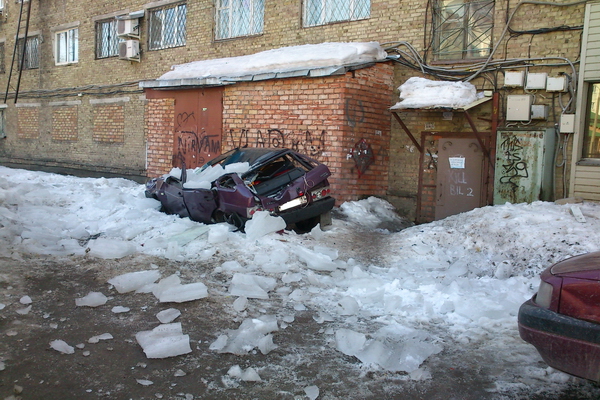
(159, 132)
(64, 123)
(109, 124)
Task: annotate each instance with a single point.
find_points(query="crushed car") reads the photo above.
(235, 185)
(562, 320)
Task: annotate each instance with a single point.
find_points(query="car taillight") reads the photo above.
(320, 193)
(543, 298)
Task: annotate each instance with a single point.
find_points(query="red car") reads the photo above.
(563, 319)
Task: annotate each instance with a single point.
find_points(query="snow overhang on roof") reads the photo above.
(312, 60)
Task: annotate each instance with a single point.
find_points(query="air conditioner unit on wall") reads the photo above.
(128, 27)
(129, 50)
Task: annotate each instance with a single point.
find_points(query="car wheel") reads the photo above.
(306, 225)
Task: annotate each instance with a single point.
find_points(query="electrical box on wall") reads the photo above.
(518, 107)
(556, 84)
(567, 123)
(536, 80)
(514, 78)
(539, 111)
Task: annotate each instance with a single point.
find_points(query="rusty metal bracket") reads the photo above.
(478, 136)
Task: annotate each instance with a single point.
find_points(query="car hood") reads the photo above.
(585, 266)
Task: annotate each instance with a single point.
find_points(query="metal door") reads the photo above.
(459, 176)
(198, 124)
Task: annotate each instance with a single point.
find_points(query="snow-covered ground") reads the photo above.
(391, 299)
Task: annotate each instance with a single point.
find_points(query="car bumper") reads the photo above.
(310, 211)
(565, 343)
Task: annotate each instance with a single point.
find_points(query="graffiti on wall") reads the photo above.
(192, 145)
(514, 166)
(363, 156)
(307, 142)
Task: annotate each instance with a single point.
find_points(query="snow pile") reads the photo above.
(284, 59)
(422, 93)
(202, 177)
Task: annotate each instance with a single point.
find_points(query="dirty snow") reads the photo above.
(419, 92)
(389, 299)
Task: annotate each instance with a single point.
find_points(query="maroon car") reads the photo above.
(563, 319)
(281, 181)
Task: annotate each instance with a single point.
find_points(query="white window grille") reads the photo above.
(321, 12)
(167, 26)
(237, 18)
(107, 41)
(67, 46)
(463, 29)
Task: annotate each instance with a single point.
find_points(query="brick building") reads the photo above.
(78, 104)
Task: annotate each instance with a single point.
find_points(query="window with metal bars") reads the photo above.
(321, 12)
(239, 18)
(67, 46)
(167, 26)
(107, 41)
(32, 55)
(463, 29)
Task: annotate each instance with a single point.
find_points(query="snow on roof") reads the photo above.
(424, 93)
(285, 59)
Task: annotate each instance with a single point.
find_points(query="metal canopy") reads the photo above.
(396, 109)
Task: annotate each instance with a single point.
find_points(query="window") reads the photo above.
(67, 46)
(321, 12)
(107, 41)
(166, 27)
(2, 63)
(32, 58)
(463, 29)
(239, 18)
(2, 124)
(591, 137)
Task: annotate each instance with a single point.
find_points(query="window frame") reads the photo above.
(112, 49)
(586, 152)
(328, 10)
(29, 64)
(255, 27)
(71, 45)
(447, 25)
(179, 39)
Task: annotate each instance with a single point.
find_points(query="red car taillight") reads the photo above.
(320, 193)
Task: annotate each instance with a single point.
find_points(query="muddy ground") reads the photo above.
(112, 368)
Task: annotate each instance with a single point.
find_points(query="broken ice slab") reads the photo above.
(166, 340)
(187, 236)
(62, 346)
(168, 315)
(120, 309)
(25, 300)
(98, 338)
(134, 280)
(315, 260)
(92, 299)
(251, 286)
(312, 392)
(263, 223)
(252, 333)
(182, 293)
(110, 248)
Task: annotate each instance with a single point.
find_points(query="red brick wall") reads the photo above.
(28, 122)
(160, 114)
(109, 124)
(64, 123)
(321, 117)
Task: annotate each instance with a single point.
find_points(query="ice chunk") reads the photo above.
(166, 340)
(24, 311)
(134, 280)
(168, 315)
(98, 338)
(315, 260)
(120, 309)
(92, 299)
(347, 306)
(349, 342)
(249, 335)
(250, 375)
(266, 345)
(182, 293)
(144, 382)
(251, 286)
(218, 233)
(25, 300)
(164, 284)
(312, 392)
(235, 371)
(110, 248)
(263, 223)
(62, 346)
(240, 303)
